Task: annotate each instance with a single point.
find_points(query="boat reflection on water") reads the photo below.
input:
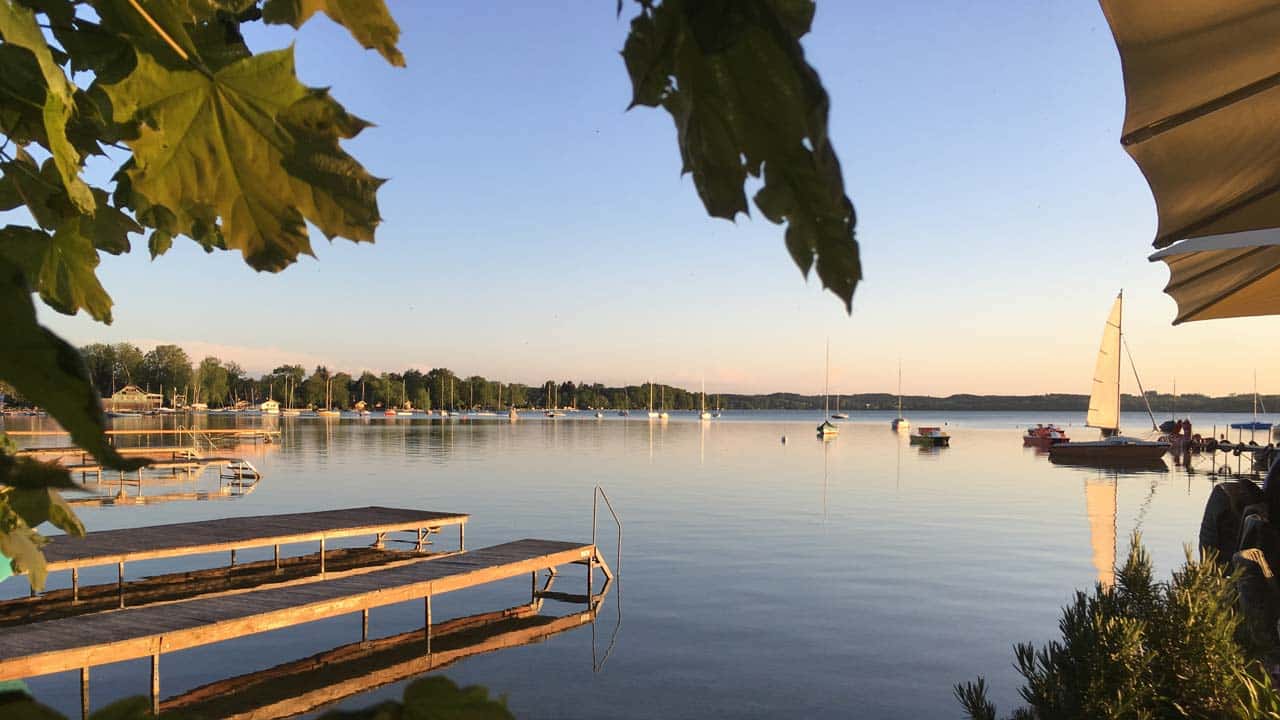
(1100, 502)
(1100, 506)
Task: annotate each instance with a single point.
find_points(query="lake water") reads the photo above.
(759, 578)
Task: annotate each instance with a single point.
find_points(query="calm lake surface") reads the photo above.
(861, 576)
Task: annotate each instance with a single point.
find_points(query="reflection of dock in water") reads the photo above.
(328, 677)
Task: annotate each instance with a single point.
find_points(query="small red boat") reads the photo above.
(1044, 436)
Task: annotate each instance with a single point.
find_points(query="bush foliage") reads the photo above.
(1142, 649)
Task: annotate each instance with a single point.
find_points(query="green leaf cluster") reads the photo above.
(1142, 649)
(29, 498)
(211, 141)
(214, 142)
(733, 76)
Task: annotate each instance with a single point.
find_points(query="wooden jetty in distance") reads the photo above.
(81, 641)
(267, 434)
(207, 449)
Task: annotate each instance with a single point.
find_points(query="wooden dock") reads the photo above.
(118, 547)
(245, 433)
(63, 631)
(228, 491)
(81, 642)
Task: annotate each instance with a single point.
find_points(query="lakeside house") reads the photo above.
(132, 398)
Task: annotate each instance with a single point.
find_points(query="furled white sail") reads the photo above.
(1104, 400)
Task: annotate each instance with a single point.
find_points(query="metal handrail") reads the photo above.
(597, 665)
(600, 493)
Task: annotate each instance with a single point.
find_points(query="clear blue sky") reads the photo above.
(534, 229)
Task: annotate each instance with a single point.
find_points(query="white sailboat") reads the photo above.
(704, 415)
(652, 414)
(837, 414)
(662, 404)
(1104, 409)
(553, 401)
(827, 429)
(900, 423)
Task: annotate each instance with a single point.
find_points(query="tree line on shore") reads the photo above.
(168, 369)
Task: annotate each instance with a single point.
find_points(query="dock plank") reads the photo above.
(159, 541)
(83, 641)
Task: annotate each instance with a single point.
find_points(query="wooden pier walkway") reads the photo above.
(106, 547)
(87, 640)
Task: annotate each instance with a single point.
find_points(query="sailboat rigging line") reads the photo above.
(1143, 393)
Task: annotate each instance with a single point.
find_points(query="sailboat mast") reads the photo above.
(1120, 329)
(899, 388)
(826, 385)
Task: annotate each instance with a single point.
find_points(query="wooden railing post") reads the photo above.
(427, 602)
(84, 693)
(155, 683)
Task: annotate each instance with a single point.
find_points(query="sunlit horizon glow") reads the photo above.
(534, 230)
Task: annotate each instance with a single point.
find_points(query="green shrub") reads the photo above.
(1141, 649)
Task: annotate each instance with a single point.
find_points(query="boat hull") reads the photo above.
(1043, 442)
(1109, 453)
(900, 424)
(931, 441)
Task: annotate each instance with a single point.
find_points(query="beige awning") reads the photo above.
(1202, 119)
(1224, 276)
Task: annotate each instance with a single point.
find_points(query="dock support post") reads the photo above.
(233, 557)
(591, 564)
(75, 585)
(427, 602)
(155, 684)
(364, 625)
(419, 539)
(462, 536)
(84, 693)
(277, 557)
(533, 586)
(322, 556)
(120, 581)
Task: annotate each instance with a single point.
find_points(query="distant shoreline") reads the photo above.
(1161, 404)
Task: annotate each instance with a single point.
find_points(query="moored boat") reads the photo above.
(931, 437)
(828, 429)
(1104, 410)
(1044, 436)
(1116, 450)
(899, 423)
